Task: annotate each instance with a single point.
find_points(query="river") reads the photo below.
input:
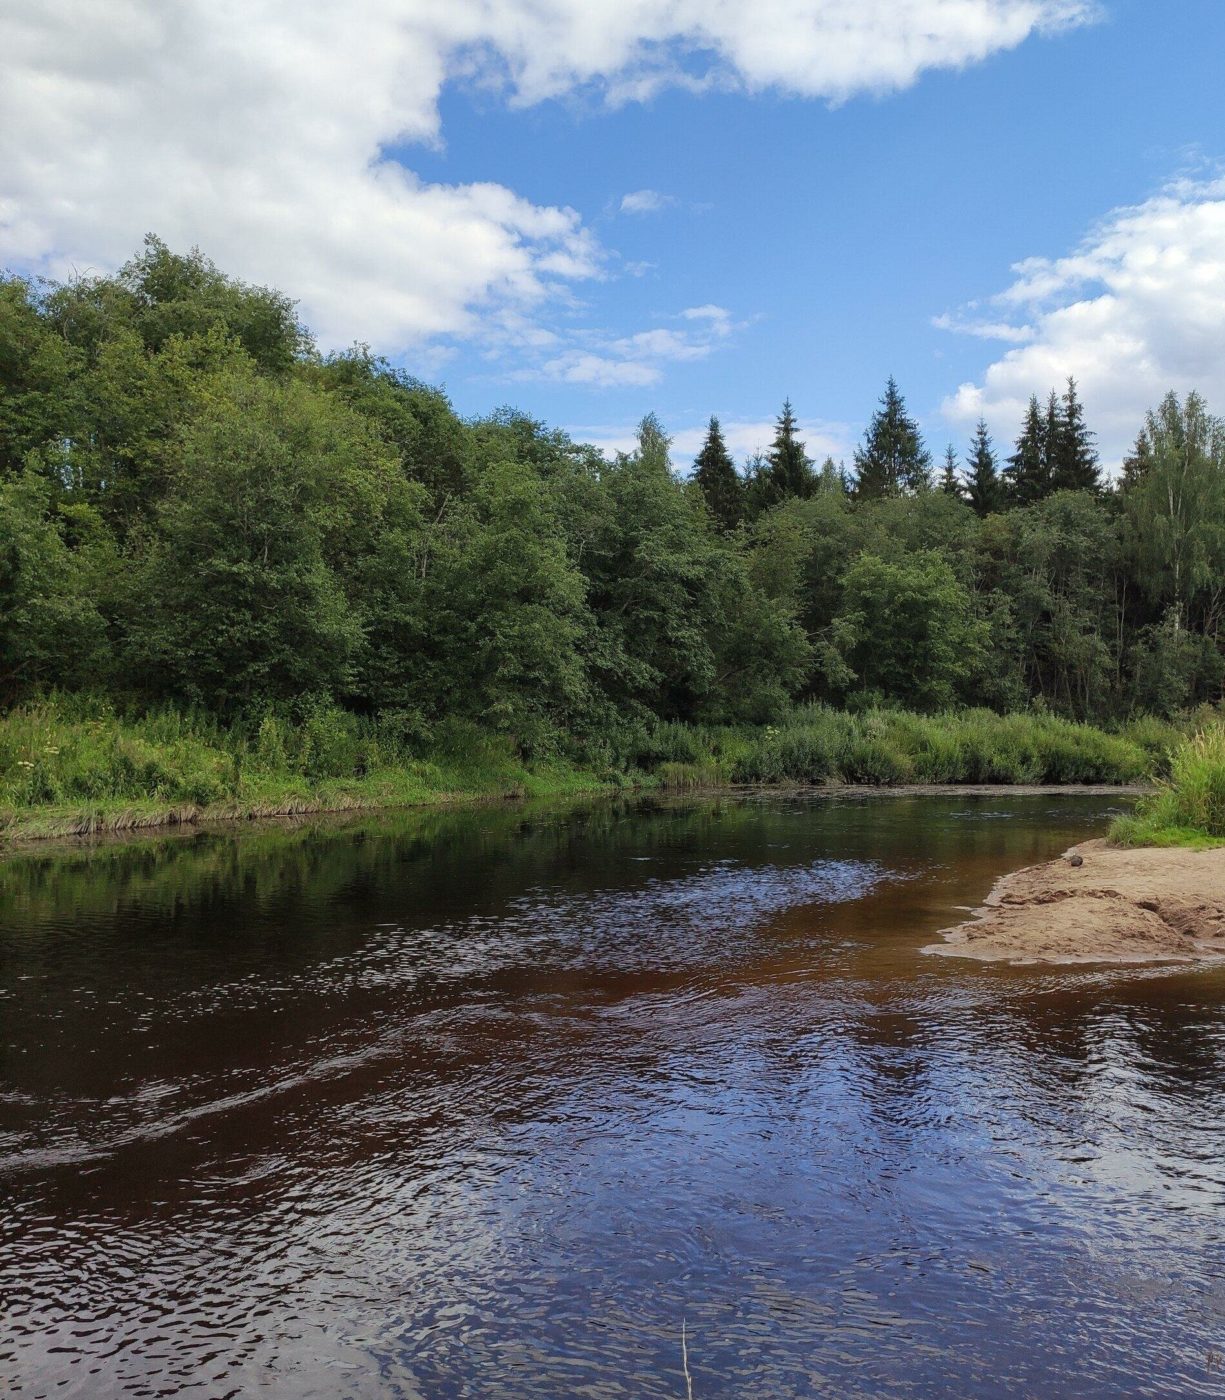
(495, 1102)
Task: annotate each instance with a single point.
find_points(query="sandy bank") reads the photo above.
(1131, 906)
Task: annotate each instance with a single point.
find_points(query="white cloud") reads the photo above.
(261, 131)
(606, 361)
(984, 330)
(600, 371)
(744, 437)
(1136, 310)
(646, 202)
(717, 318)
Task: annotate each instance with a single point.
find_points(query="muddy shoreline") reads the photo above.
(1101, 904)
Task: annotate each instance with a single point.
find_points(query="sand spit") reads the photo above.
(1115, 906)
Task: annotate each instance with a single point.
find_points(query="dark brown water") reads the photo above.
(487, 1104)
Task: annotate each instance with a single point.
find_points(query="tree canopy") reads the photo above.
(198, 507)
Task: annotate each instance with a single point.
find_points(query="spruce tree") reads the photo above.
(715, 472)
(893, 458)
(1138, 463)
(1052, 435)
(984, 488)
(1027, 476)
(950, 481)
(1074, 458)
(790, 469)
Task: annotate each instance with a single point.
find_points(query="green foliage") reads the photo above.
(1175, 504)
(200, 515)
(1189, 808)
(907, 630)
(788, 470)
(241, 595)
(51, 632)
(817, 744)
(950, 477)
(715, 473)
(984, 489)
(1073, 457)
(893, 458)
(1027, 477)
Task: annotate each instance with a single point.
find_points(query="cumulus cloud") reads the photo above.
(1137, 309)
(264, 132)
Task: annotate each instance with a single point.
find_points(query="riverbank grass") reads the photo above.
(68, 769)
(1187, 809)
(73, 767)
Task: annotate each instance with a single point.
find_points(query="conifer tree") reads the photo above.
(1027, 476)
(950, 480)
(1138, 463)
(893, 458)
(1074, 464)
(1052, 433)
(715, 472)
(790, 470)
(984, 489)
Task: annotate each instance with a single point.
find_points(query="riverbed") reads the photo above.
(493, 1103)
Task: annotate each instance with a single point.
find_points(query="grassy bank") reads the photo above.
(68, 769)
(72, 767)
(1188, 808)
(889, 747)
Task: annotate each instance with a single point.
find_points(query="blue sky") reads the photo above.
(819, 197)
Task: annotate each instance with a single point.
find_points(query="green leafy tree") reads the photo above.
(505, 618)
(833, 478)
(38, 369)
(652, 563)
(51, 631)
(241, 596)
(654, 444)
(1176, 510)
(160, 295)
(715, 472)
(416, 421)
(893, 458)
(1060, 564)
(908, 630)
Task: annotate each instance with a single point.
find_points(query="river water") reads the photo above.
(494, 1103)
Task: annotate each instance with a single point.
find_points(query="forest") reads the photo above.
(203, 515)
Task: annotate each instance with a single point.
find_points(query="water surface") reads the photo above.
(488, 1103)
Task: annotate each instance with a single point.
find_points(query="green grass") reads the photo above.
(883, 747)
(71, 768)
(1188, 808)
(70, 765)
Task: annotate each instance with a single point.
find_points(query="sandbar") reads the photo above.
(1101, 904)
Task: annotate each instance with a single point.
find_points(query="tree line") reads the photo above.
(1054, 452)
(197, 506)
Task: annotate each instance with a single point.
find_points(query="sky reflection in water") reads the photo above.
(486, 1103)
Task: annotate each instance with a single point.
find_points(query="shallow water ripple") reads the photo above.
(354, 1112)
